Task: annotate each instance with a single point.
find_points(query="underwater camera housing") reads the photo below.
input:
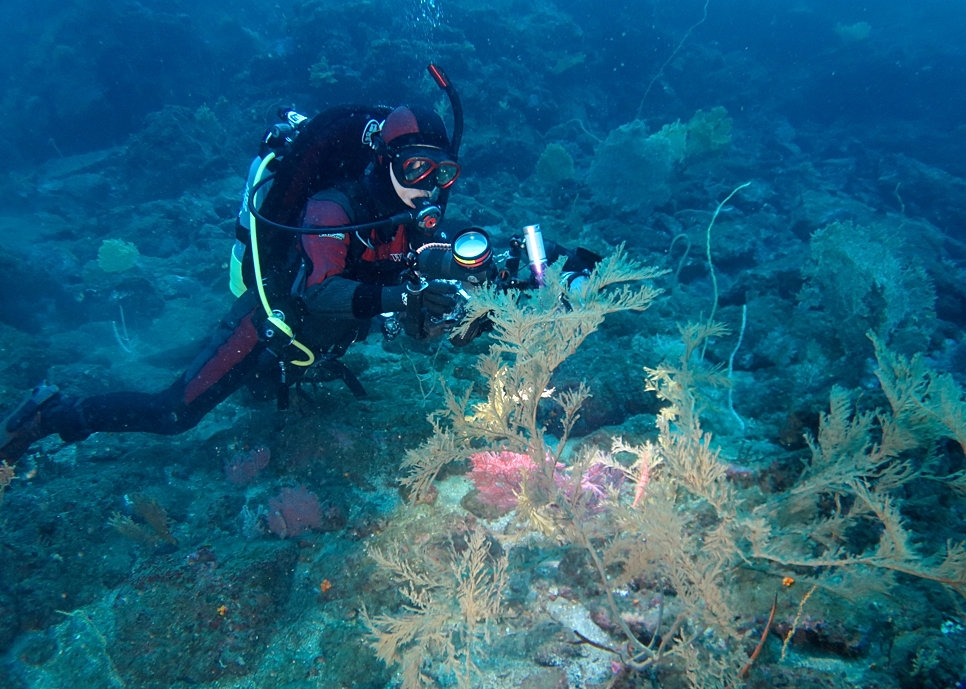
(468, 258)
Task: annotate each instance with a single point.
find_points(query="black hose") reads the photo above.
(398, 219)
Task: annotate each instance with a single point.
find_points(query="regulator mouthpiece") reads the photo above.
(428, 215)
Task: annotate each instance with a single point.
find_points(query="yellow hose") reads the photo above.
(253, 240)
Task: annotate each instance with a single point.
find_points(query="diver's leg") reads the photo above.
(24, 425)
(234, 352)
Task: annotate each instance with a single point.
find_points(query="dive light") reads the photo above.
(536, 251)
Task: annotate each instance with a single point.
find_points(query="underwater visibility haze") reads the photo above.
(683, 408)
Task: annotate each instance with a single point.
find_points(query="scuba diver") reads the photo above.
(340, 224)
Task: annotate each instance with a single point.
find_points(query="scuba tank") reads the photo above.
(303, 157)
(278, 139)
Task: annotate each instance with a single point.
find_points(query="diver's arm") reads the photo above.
(326, 292)
(339, 297)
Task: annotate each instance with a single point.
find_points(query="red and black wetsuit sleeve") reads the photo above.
(327, 292)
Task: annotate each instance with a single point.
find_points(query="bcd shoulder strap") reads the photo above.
(330, 149)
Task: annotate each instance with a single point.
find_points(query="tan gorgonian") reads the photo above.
(451, 606)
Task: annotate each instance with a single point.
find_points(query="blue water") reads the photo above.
(839, 126)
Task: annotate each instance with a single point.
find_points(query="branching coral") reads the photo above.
(534, 333)
(859, 463)
(451, 606)
(676, 525)
(638, 526)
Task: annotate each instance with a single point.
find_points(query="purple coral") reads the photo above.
(242, 467)
(598, 480)
(294, 511)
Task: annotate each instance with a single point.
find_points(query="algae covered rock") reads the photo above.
(631, 170)
(555, 164)
(201, 617)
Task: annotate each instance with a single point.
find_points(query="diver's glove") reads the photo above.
(440, 297)
(393, 299)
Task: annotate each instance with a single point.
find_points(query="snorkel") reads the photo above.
(435, 205)
(454, 100)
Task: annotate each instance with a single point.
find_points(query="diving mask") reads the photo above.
(425, 167)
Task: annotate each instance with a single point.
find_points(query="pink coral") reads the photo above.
(497, 476)
(294, 511)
